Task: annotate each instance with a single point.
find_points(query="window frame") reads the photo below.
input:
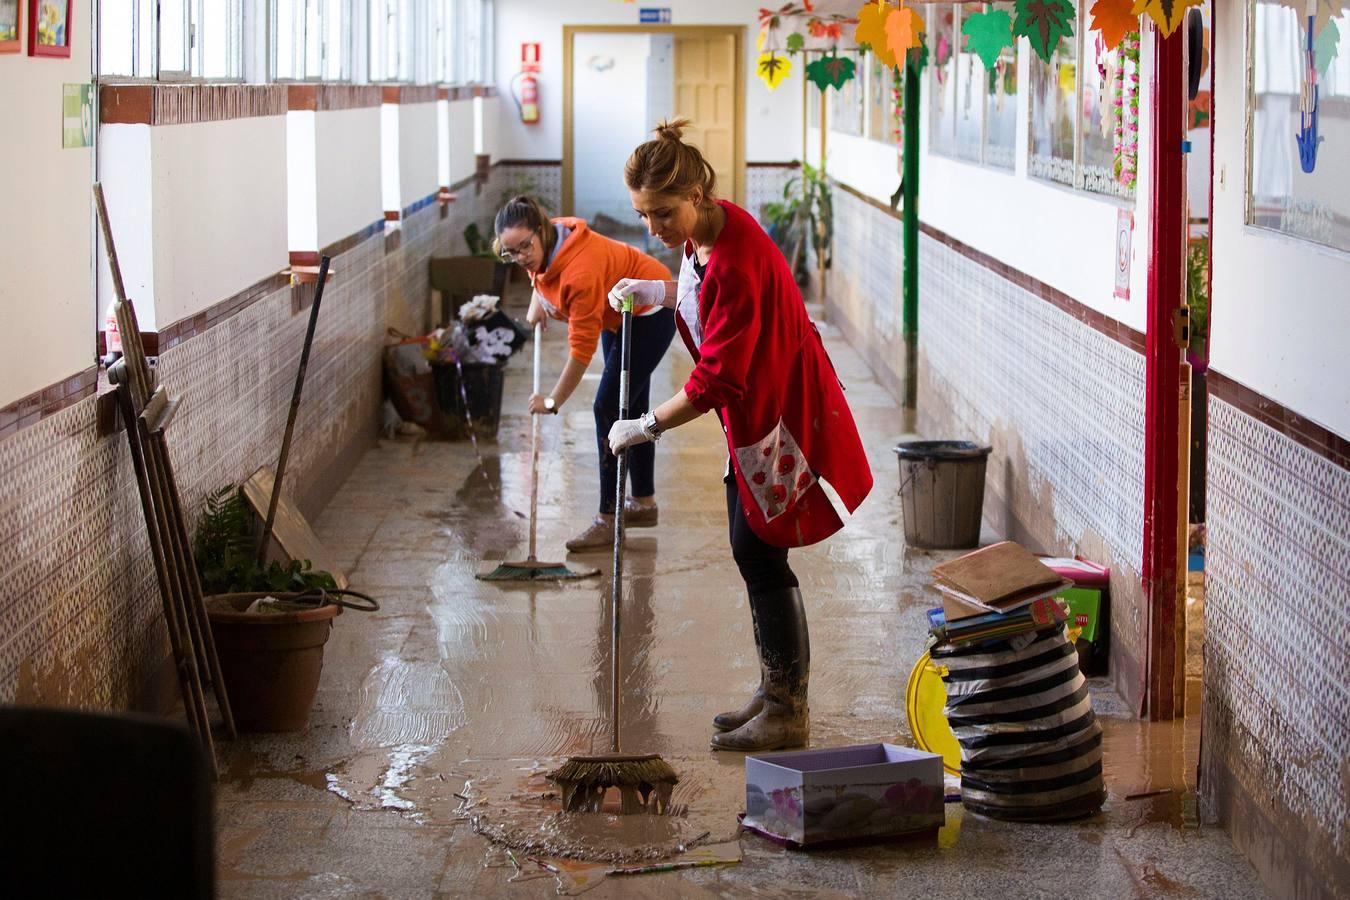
(344, 50)
(193, 47)
(954, 151)
(1080, 180)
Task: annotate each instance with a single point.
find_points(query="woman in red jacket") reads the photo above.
(760, 363)
(572, 269)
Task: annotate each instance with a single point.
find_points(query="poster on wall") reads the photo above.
(77, 116)
(9, 26)
(1124, 251)
(49, 27)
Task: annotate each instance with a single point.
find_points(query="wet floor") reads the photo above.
(438, 717)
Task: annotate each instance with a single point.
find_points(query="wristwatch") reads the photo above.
(551, 405)
(650, 427)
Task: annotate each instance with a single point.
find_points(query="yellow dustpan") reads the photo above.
(925, 696)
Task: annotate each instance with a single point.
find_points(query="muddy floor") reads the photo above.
(437, 717)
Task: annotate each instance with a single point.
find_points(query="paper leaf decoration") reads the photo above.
(1114, 19)
(795, 42)
(830, 72)
(871, 30)
(904, 31)
(772, 69)
(1045, 23)
(1326, 11)
(1325, 47)
(917, 58)
(1166, 14)
(987, 33)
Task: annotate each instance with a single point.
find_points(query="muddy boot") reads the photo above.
(640, 515)
(728, 721)
(783, 720)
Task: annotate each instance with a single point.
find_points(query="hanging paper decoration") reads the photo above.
(795, 42)
(987, 34)
(1325, 46)
(917, 58)
(871, 30)
(1126, 162)
(1045, 23)
(829, 31)
(1307, 137)
(904, 31)
(1114, 19)
(1322, 11)
(830, 72)
(772, 69)
(1166, 14)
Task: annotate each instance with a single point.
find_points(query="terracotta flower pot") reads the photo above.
(270, 661)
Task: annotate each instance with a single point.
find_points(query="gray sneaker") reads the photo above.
(635, 515)
(600, 533)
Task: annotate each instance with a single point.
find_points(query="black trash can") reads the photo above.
(482, 385)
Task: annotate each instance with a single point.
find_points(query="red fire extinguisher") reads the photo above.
(525, 87)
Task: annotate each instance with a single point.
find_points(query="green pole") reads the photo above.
(910, 212)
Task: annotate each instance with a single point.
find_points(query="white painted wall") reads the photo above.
(302, 223)
(417, 149)
(218, 211)
(609, 119)
(124, 170)
(492, 125)
(462, 162)
(773, 118)
(45, 246)
(347, 171)
(1280, 311)
(1062, 237)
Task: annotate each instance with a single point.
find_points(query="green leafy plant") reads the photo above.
(1197, 294)
(805, 217)
(224, 548)
(478, 244)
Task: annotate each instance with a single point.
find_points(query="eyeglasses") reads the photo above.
(514, 254)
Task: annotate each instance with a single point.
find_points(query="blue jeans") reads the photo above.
(651, 336)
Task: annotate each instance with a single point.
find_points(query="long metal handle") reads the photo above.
(295, 408)
(616, 594)
(534, 444)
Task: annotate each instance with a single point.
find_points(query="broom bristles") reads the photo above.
(599, 771)
(534, 571)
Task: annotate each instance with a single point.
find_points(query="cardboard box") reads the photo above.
(812, 797)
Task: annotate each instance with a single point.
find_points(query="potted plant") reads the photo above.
(269, 638)
(805, 217)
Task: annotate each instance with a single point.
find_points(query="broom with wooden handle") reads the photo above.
(531, 569)
(644, 781)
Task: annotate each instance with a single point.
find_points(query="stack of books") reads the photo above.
(995, 592)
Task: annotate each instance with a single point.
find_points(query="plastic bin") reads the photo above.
(942, 493)
(483, 386)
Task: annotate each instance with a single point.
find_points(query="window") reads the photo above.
(311, 40)
(197, 39)
(974, 109)
(1084, 117)
(391, 56)
(126, 38)
(880, 100)
(846, 103)
(1298, 114)
(443, 42)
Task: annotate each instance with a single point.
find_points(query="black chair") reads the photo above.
(104, 805)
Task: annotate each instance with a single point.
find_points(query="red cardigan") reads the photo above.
(761, 364)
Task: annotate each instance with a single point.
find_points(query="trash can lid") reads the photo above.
(925, 702)
(941, 450)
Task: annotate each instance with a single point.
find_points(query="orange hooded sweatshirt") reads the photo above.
(577, 283)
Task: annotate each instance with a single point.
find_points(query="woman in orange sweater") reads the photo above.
(572, 269)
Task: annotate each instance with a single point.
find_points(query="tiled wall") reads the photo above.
(1061, 403)
(764, 184)
(866, 286)
(80, 617)
(1277, 661)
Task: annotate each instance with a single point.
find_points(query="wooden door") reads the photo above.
(706, 79)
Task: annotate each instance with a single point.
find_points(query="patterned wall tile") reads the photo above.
(1061, 403)
(764, 184)
(1277, 612)
(80, 617)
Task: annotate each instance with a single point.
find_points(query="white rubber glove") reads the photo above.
(626, 433)
(644, 293)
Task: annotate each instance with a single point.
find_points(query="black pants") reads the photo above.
(763, 566)
(651, 337)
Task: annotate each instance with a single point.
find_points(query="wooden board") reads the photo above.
(290, 530)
